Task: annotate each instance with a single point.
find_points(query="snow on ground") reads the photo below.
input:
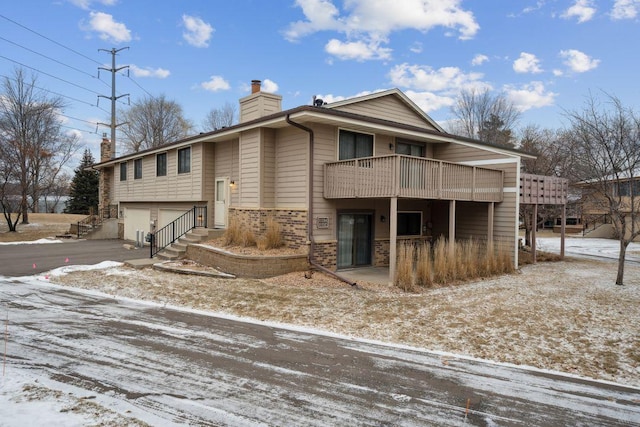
(565, 316)
(580, 246)
(33, 242)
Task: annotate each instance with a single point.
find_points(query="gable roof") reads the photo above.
(390, 92)
(328, 115)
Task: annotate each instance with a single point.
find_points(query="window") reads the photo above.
(353, 145)
(161, 164)
(123, 171)
(627, 188)
(409, 223)
(184, 160)
(137, 169)
(410, 148)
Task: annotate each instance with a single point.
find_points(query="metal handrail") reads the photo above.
(87, 224)
(193, 218)
(597, 222)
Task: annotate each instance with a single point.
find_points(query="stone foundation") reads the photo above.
(326, 254)
(293, 223)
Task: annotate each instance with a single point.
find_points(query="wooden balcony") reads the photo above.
(411, 177)
(543, 190)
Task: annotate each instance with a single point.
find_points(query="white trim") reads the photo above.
(511, 190)
(489, 162)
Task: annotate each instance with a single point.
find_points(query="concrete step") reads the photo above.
(175, 251)
(165, 255)
(179, 246)
(200, 232)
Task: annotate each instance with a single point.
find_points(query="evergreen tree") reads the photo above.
(83, 194)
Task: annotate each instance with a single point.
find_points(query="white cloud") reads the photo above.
(159, 73)
(107, 28)
(358, 50)
(625, 9)
(581, 9)
(558, 73)
(416, 47)
(425, 78)
(429, 101)
(368, 23)
(527, 63)
(269, 86)
(479, 59)
(198, 33)
(577, 61)
(215, 84)
(86, 4)
(532, 95)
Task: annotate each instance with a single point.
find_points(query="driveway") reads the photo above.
(28, 259)
(175, 367)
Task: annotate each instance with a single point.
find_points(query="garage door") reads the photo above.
(136, 219)
(166, 216)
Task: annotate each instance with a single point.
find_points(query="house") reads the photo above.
(348, 179)
(619, 193)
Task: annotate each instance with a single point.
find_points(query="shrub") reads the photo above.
(441, 261)
(272, 238)
(404, 267)
(424, 266)
(233, 233)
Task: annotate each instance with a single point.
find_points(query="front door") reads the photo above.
(222, 203)
(354, 239)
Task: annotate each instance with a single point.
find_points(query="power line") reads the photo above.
(55, 93)
(50, 75)
(51, 59)
(137, 84)
(51, 40)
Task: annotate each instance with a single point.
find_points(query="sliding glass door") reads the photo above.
(354, 239)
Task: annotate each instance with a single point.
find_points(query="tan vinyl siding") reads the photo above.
(387, 108)
(472, 220)
(172, 187)
(268, 193)
(291, 168)
(208, 179)
(325, 151)
(249, 185)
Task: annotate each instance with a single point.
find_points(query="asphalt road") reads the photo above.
(187, 368)
(19, 260)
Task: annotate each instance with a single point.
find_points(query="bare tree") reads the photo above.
(152, 122)
(482, 116)
(33, 146)
(607, 139)
(219, 118)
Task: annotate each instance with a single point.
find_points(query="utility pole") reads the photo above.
(113, 96)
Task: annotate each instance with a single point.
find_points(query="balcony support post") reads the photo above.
(393, 238)
(534, 221)
(490, 216)
(563, 229)
(452, 226)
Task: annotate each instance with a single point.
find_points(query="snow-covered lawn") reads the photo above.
(566, 316)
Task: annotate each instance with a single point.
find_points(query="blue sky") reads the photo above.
(544, 55)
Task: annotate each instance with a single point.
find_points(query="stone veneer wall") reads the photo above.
(293, 223)
(326, 254)
(256, 267)
(104, 183)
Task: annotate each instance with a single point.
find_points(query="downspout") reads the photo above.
(310, 208)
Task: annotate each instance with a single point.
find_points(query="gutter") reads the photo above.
(310, 259)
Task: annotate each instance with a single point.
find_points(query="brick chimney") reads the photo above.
(255, 86)
(259, 103)
(106, 175)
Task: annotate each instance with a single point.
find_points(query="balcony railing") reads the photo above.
(411, 177)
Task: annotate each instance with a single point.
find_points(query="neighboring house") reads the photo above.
(600, 196)
(349, 179)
